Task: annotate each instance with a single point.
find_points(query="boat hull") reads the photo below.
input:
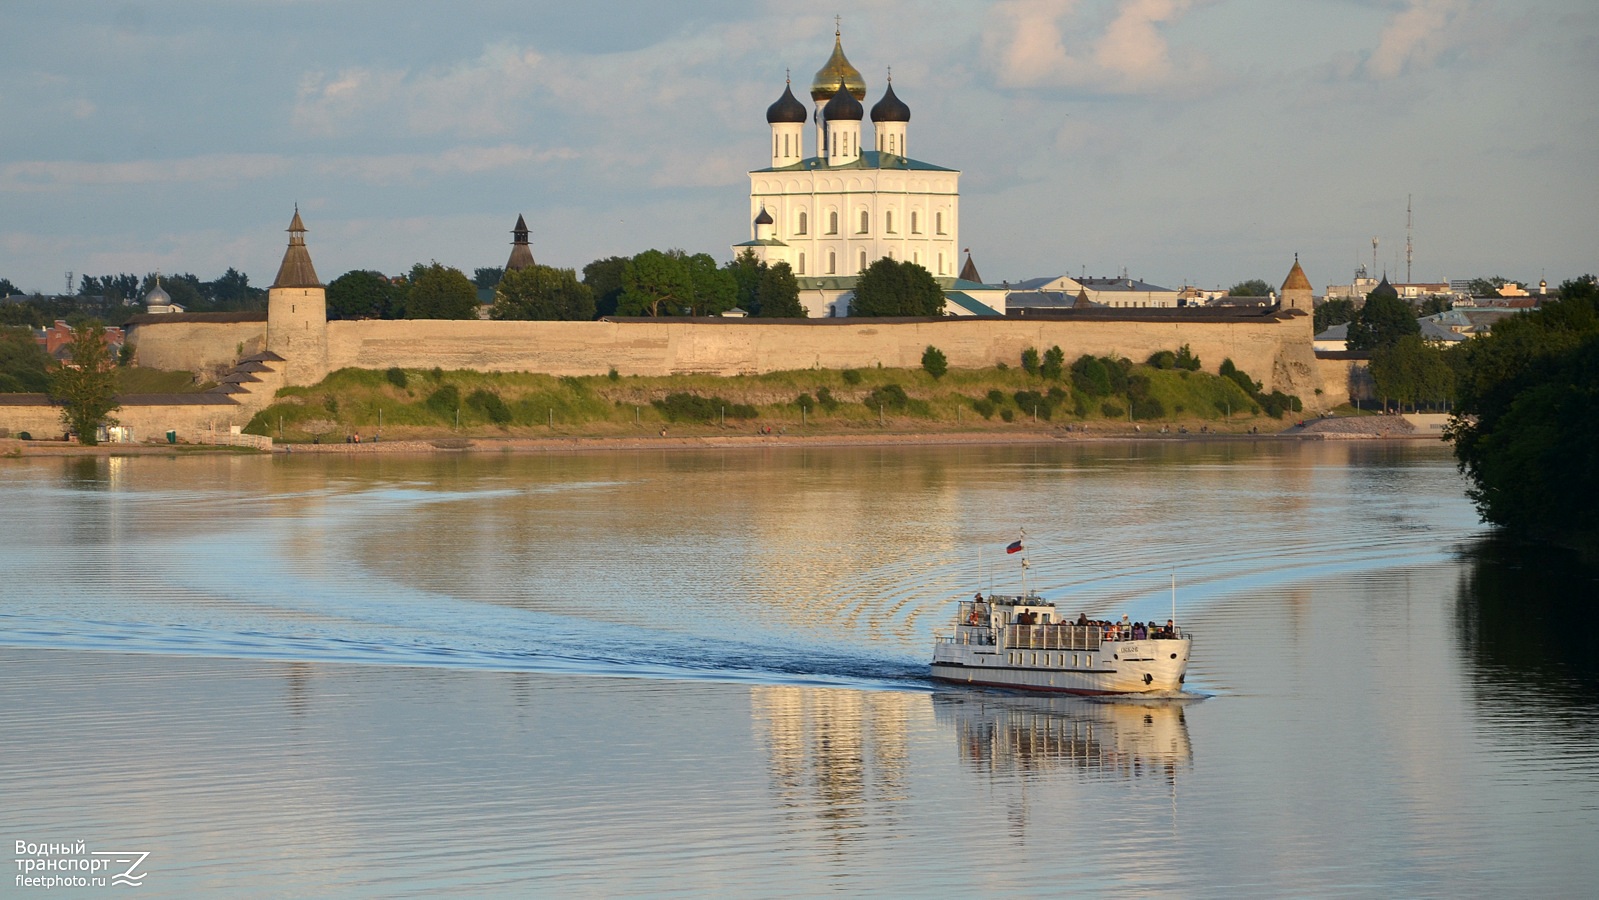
(1127, 667)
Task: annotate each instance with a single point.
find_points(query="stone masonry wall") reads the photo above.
(198, 347)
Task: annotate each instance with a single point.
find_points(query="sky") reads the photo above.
(1195, 142)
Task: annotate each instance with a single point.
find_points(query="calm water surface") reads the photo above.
(702, 673)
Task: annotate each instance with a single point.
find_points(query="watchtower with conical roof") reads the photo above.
(521, 250)
(297, 313)
(1297, 292)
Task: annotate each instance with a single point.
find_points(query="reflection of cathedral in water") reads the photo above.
(1001, 734)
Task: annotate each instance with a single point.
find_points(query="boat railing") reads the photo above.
(1072, 637)
(977, 636)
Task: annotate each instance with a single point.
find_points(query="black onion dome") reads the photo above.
(1384, 289)
(891, 108)
(786, 109)
(765, 218)
(843, 107)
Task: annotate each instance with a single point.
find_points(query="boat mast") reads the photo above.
(1174, 598)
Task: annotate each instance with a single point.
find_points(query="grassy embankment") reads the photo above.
(138, 380)
(428, 404)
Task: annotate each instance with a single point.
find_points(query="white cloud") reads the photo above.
(1418, 35)
(233, 168)
(1029, 48)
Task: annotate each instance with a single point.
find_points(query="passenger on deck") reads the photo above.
(1082, 618)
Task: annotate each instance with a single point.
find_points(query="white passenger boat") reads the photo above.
(1022, 642)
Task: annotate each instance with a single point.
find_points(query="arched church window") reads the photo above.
(801, 263)
(866, 221)
(888, 221)
(863, 260)
(832, 222)
(832, 263)
(804, 223)
(938, 222)
(940, 263)
(916, 223)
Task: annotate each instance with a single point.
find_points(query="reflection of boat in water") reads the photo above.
(1127, 739)
(1022, 642)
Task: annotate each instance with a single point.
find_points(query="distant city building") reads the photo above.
(57, 341)
(1062, 291)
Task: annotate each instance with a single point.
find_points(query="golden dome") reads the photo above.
(837, 71)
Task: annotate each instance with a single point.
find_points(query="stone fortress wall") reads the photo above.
(1274, 350)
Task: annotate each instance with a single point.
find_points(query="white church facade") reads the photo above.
(832, 213)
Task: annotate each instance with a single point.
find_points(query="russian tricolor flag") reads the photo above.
(1015, 547)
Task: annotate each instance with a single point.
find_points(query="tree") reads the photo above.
(777, 296)
(1437, 303)
(85, 386)
(653, 280)
(713, 289)
(487, 277)
(747, 272)
(1333, 312)
(1091, 377)
(1254, 287)
(1413, 371)
(604, 278)
(934, 361)
(361, 294)
(890, 287)
(1524, 430)
(1186, 359)
(440, 292)
(7, 289)
(24, 366)
(544, 293)
(1382, 322)
(1030, 361)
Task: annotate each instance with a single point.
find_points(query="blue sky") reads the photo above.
(1186, 141)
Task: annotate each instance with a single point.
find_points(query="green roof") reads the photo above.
(965, 301)
(763, 242)
(871, 159)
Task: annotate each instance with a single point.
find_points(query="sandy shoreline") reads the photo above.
(14, 449)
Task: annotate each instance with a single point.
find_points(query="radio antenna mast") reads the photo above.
(1407, 238)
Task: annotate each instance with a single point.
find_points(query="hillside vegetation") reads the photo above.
(410, 403)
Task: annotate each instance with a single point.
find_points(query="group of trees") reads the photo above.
(229, 292)
(890, 287)
(1525, 429)
(428, 291)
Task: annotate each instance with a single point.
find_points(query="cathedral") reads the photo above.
(830, 214)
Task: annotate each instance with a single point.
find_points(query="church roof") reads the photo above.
(844, 107)
(1383, 289)
(869, 159)
(786, 109)
(296, 270)
(1296, 278)
(837, 70)
(765, 218)
(157, 296)
(891, 108)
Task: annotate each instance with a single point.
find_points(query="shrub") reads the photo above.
(1007, 414)
(1054, 363)
(437, 374)
(985, 407)
(851, 376)
(489, 405)
(889, 396)
(1033, 403)
(1056, 396)
(396, 377)
(996, 397)
(1148, 408)
(1080, 407)
(1089, 376)
(1030, 361)
(1118, 371)
(1186, 360)
(692, 407)
(934, 361)
(805, 402)
(444, 401)
(826, 398)
(1002, 366)
(1163, 359)
(1112, 411)
(613, 374)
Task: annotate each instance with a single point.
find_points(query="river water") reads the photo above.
(702, 673)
